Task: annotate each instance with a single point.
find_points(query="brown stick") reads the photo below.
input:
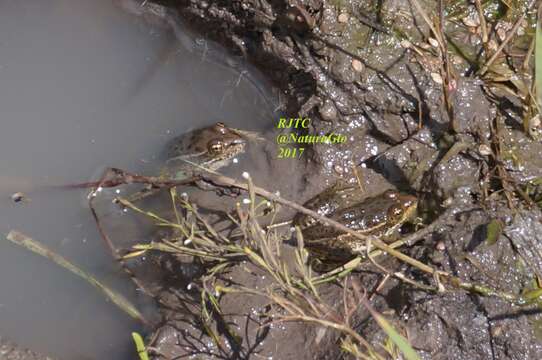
(225, 181)
(114, 177)
(482, 18)
(509, 37)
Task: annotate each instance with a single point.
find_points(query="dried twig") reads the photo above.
(225, 181)
(509, 37)
(482, 18)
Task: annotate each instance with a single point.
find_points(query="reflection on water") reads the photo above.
(84, 85)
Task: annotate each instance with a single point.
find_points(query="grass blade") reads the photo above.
(399, 340)
(140, 346)
(20, 239)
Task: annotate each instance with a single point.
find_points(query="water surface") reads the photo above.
(84, 85)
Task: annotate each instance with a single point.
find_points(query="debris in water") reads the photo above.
(18, 197)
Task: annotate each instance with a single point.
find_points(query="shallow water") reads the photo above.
(84, 85)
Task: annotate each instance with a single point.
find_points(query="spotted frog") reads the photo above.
(380, 216)
(211, 147)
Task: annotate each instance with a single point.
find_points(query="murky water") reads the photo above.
(84, 85)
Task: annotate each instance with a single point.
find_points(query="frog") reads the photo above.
(381, 216)
(205, 149)
(212, 147)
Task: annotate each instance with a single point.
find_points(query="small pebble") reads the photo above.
(440, 246)
(343, 18)
(328, 111)
(433, 42)
(484, 150)
(245, 175)
(357, 65)
(497, 331)
(437, 78)
(246, 201)
(18, 197)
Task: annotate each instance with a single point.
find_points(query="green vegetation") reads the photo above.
(140, 346)
(293, 291)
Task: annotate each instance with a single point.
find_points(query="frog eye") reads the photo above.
(395, 211)
(220, 127)
(215, 147)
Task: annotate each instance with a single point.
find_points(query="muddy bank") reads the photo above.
(426, 111)
(11, 351)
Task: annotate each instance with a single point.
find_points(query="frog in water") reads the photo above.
(380, 216)
(211, 147)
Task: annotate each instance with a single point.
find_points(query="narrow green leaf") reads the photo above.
(400, 341)
(140, 346)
